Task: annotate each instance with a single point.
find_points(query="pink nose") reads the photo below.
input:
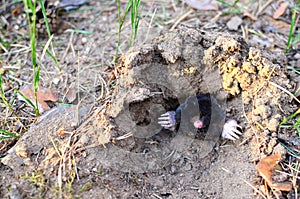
(198, 124)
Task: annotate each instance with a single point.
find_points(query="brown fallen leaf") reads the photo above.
(279, 25)
(16, 11)
(70, 94)
(43, 95)
(281, 10)
(266, 168)
(251, 16)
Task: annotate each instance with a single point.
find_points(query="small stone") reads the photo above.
(297, 56)
(16, 27)
(234, 23)
(84, 40)
(280, 149)
(273, 124)
(15, 193)
(55, 81)
(173, 169)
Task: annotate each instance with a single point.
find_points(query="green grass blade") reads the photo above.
(54, 59)
(285, 120)
(6, 135)
(292, 28)
(35, 87)
(84, 32)
(28, 101)
(45, 17)
(5, 101)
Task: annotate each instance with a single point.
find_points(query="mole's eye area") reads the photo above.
(194, 119)
(197, 122)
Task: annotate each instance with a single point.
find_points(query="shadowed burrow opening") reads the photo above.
(140, 114)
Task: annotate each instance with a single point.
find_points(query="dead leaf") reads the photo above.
(279, 25)
(281, 10)
(266, 168)
(61, 132)
(43, 95)
(203, 4)
(16, 11)
(251, 16)
(71, 95)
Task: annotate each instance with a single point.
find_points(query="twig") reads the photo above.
(263, 7)
(283, 89)
(181, 18)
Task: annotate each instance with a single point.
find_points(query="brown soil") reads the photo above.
(110, 145)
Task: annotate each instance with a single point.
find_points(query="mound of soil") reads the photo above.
(247, 82)
(143, 160)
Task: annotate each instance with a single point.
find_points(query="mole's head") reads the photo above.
(198, 123)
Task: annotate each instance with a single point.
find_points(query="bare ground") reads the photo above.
(93, 159)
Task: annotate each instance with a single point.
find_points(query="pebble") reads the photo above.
(297, 56)
(234, 23)
(83, 40)
(55, 81)
(15, 193)
(173, 169)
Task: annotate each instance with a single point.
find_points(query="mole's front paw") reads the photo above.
(231, 130)
(167, 120)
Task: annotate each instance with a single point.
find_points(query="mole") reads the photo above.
(196, 112)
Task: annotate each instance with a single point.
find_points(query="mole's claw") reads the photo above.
(231, 131)
(164, 122)
(167, 120)
(165, 114)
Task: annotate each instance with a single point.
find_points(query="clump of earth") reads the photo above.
(249, 83)
(123, 146)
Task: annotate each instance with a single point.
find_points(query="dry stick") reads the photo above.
(9, 53)
(283, 89)
(181, 18)
(262, 8)
(214, 19)
(69, 45)
(266, 189)
(290, 175)
(245, 32)
(59, 173)
(78, 90)
(294, 181)
(248, 183)
(150, 24)
(75, 165)
(103, 83)
(62, 166)
(46, 47)
(3, 48)
(157, 196)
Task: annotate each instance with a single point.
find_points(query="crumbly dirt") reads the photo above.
(109, 145)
